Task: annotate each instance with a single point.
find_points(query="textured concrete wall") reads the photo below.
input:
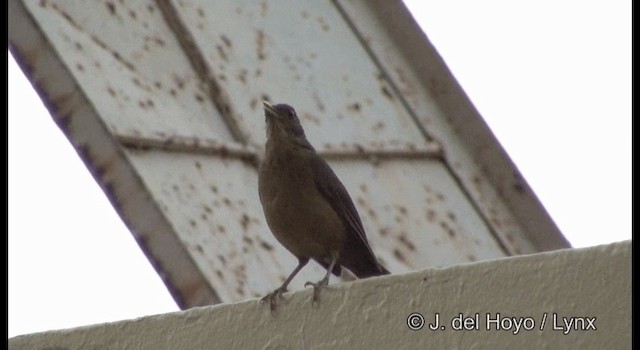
(577, 298)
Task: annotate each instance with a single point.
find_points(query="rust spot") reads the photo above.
(200, 12)
(471, 257)
(80, 67)
(43, 3)
(78, 46)
(384, 231)
(219, 273)
(405, 241)
(159, 41)
(221, 229)
(320, 104)
(208, 209)
(222, 259)
(198, 165)
(111, 7)
(199, 248)
(451, 216)
(371, 213)
(386, 92)
(266, 245)
(242, 76)
(226, 201)
(398, 254)
(133, 15)
(226, 41)
(179, 81)
(402, 209)
(448, 229)
(244, 221)
(247, 240)
(173, 92)
(193, 223)
(304, 14)
(111, 91)
(260, 45)
(221, 53)
(355, 107)
(199, 98)
(253, 103)
(213, 188)
(323, 24)
(363, 188)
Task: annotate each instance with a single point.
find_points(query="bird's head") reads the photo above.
(282, 121)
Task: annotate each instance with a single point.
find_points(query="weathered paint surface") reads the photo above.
(162, 101)
(303, 53)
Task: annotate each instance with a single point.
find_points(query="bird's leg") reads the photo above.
(277, 293)
(323, 282)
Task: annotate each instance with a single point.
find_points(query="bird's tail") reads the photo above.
(364, 268)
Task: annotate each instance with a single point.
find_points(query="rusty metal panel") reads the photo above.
(131, 67)
(162, 100)
(217, 217)
(415, 214)
(83, 124)
(305, 53)
(473, 155)
(424, 221)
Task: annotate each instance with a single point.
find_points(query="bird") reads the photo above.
(307, 208)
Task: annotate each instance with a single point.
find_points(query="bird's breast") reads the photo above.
(296, 212)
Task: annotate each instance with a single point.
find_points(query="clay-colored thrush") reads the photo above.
(307, 208)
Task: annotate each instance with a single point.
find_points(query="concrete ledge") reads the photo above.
(589, 289)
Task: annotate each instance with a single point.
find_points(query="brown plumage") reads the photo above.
(306, 206)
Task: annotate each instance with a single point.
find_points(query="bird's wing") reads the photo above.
(336, 194)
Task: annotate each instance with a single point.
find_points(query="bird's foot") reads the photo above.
(323, 283)
(272, 298)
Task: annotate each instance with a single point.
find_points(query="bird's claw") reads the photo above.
(316, 290)
(273, 297)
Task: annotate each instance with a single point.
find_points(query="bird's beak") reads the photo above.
(268, 108)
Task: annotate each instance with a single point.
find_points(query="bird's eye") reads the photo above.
(292, 113)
